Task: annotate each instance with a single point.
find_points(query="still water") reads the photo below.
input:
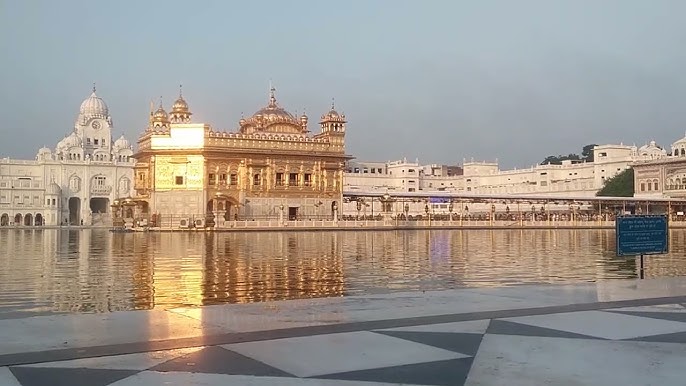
(49, 270)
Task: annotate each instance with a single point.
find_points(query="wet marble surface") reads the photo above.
(515, 335)
(85, 330)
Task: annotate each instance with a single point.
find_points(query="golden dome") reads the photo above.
(159, 118)
(333, 115)
(273, 111)
(160, 114)
(272, 118)
(180, 106)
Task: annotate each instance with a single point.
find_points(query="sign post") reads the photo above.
(640, 235)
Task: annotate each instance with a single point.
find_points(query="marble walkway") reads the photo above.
(628, 332)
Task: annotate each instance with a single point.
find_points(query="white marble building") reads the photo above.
(662, 176)
(479, 177)
(76, 182)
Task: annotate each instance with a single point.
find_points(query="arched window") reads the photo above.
(655, 185)
(643, 187)
(650, 186)
(683, 151)
(256, 179)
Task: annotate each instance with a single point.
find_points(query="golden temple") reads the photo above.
(270, 168)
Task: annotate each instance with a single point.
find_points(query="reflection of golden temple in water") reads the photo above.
(228, 268)
(97, 271)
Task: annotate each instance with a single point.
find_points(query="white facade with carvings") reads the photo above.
(75, 182)
(478, 177)
(663, 177)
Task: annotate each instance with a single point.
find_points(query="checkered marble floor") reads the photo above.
(620, 346)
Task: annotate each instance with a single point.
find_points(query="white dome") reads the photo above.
(44, 154)
(72, 140)
(94, 107)
(53, 189)
(122, 143)
(679, 142)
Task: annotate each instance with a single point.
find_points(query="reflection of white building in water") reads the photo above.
(483, 178)
(76, 182)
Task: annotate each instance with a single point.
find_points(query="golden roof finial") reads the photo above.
(333, 103)
(160, 101)
(272, 96)
(180, 90)
(93, 87)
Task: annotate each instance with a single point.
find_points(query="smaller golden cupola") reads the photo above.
(159, 119)
(180, 112)
(333, 122)
(303, 121)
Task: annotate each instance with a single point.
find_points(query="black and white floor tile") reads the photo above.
(627, 346)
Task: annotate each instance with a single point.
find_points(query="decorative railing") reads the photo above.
(101, 190)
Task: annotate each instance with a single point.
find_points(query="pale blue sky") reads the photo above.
(438, 80)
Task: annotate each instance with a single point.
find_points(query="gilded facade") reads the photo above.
(271, 167)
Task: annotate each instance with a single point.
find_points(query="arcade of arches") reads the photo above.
(22, 219)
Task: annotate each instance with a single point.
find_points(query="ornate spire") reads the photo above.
(160, 101)
(180, 90)
(272, 96)
(94, 87)
(333, 103)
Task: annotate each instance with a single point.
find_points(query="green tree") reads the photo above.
(551, 159)
(621, 185)
(587, 152)
(557, 159)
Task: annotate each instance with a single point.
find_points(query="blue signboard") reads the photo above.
(642, 235)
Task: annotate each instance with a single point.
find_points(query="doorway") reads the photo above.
(74, 210)
(5, 220)
(100, 205)
(292, 213)
(38, 221)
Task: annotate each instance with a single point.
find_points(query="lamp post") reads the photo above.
(450, 210)
(359, 207)
(281, 207)
(545, 212)
(571, 213)
(426, 209)
(407, 211)
(492, 213)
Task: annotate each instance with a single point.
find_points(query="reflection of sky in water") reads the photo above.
(45, 270)
(440, 247)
